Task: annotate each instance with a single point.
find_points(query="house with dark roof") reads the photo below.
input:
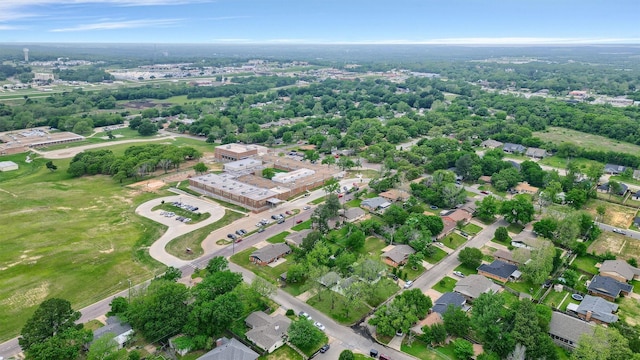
(491, 144)
(566, 330)
(269, 253)
(605, 188)
(475, 285)
(515, 164)
(636, 195)
(451, 298)
(120, 331)
(499, 270)
(267, 332)
(619, 270)
(514, 148)
(230, 349)
(536, 153)
(596, 309)
(352, 214)
(608, 288)
(636, 221)
(375, 204)
(398, 255)
(614, 169)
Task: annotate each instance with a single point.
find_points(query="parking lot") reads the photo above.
(184, 202)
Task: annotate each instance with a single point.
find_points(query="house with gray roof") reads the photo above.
(329, 279)
(491, 144)
(451, 298)
(605, 188)
(398, 255)
(353, 214)
(296, 238)
(536, 153)
(619, 270)
(230, 349)
(475, 285)
(499, 270)
(566, 330)
(614, 169)
(513, 148)
(596, 309)
(269, 253)
(376, 203)
(120, 331)
(608, 288)
(267, 332)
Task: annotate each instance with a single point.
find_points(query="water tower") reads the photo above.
(26, 54)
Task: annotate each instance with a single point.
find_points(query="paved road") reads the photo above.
(628, 233)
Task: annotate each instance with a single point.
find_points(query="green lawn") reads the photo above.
(555, 299)
(438, 254)
(383, 290)
(193, 239)
(445, 285)
(420, 350)
(471, 229)
(278, 238)
(558, 135)
(411, 273)
(77, 239)
(267, 272)
(318, 200)
(587, 264)
(466, 270)
(372, 247)
(561, 163)
(453, 241)
(302, 226)
(333, 305)
(353, 203)
(283, 353)
(523, 287)
(515, 228)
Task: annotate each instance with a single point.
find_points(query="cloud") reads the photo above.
(9, 27)
(116, 25)
(511, 41)
(228, 40)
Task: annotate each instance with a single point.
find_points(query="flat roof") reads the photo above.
(244, 163)
(237, 148)
(292, 175)
(4, 164)
(227, 183)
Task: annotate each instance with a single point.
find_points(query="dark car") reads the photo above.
(281, 221)
(239, 232)
(373, 353)
(274, 217)
(232, 236)
(324, 348)
(261, 230)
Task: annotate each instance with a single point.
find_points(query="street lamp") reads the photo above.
(129, 280)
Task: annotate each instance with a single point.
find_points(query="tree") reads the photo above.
(470, 257)
(520, 209)
(263, 287)
(501, 234)
(328, 160)
(463, 349)
(576, 198)
(106, 348)
(331, 185)
(456, 321)
(311, 155)
(438, 333)
(528, 331)
(63, 346)
(161, 311)
(506, 178)
(546, 227)
(52, 317)
(355, 241)
(345, 163)
(538, 269)
(200, 168)
(614, 187)
(146, 128)
(171, 274)
(51, 166)
(303, 334)
(487, 208)
(601, 210)
(347, 355)
(395, 215)
(415, 260)
(218, 263)
(603, 344)
(119, 306)
(268, 173)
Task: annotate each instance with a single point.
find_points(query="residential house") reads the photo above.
(636, 174)
(297, 237)
(329, 279)
(352, 214)
(472, 286)
(395, 195)
(636, 195)
(269, 253)
(619, 270)
(120, 331)
(525, 188)
(451, 298)
(449, 225)
(491, 144)
(485, 179)
(605, 188)
(536, 153)
(614, 169)
(458, 215)
(230, 349)
(267, 332)
(510, 257)
(515, 164)
(398, 255)
(608, 288)
(636, 221)
(375, 204)
(593, 308)
(513, 148)
(566, 330)
(499, 270)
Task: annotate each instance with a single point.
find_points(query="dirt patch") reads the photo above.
(149, 185)
(615, 215)
(620, 246)
(28, 298)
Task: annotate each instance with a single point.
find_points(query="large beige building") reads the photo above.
(234, 152)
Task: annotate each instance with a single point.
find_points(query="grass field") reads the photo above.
(445, 285)
(279, 238)
(283, 353)
(78, 239)
(193, 239)
(622, 247)
(454, 241)
(592, 142)
(472, 229)
(615, 215)
(438, 255)
(334, 305)
(302, 226)
(586, 263)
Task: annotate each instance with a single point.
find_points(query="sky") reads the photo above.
(321, 21)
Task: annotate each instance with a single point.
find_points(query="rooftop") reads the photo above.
(399, 253)
(499, 268)
(608, 286)
(227, 183)
(600, 308)
(568, 327)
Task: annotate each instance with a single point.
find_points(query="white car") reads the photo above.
(303, 314)
(408, 284)
(458, 274)
(306, 208)
(618, 231)
(319, 326)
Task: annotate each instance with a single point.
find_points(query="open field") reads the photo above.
(615, 215)
(77, 239)
(592, 142)
(622, 247)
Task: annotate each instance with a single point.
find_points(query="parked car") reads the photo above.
(324, 348)
(274, 217)
(384, 357)
(484, 192)
(298, 221)
(281, 221)
(306, 208)
(239, 232)
(618, 231)
(232, 236)
(458, 274)
(238, 240)
(288, 212)
(394, 277)
(261, 230)
(408, 284)
(303, 314)
(373, 353)
(319, 325)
